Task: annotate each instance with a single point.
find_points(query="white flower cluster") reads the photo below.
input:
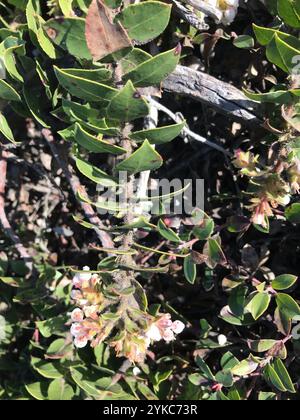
(164, 329)
(229, 9)
(87, 325)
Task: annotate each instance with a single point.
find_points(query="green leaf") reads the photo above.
(284, 376)
(292, 213)
(5, 129)
(7, 92)
(289, 11)
(69, 34)
(59, 390)
(78, 112)
(160, 135)
(167, 232)
(225, 378)
(265, 35)
(204, 229)
(37, 33)
(228, 361)
(287, 305)
(127, 105)
(272, 377)
(213, 251)
(88, 90)
(99, 388)
(66, 6)
(274, 96)
(283, 322)
(259, 304)
(244, 41)
(143, 159)
(282, 52)
(96, 75)
(266, 396)
(245, 367)
(205, 370)
(8, 48)
(236, 301)
(283, 282)
(145, 21)
(94, 145)
(133, 59)
(36, 101)
(52, 326)
(94, 174)
(260, 346)
(154, 70)
(190, 270)
(38, 390)
(48, 370)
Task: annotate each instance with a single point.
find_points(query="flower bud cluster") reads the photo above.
(92, 323)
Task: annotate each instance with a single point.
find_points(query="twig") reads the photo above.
(77, 187)
(126, 365)
(189, 16)
(186, 131)
(142, 188)
(8, 230)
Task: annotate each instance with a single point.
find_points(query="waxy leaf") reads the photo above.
(160, 135)
(92, 144)
(143, 159)
(145, 21)
(259, 304)
(190, 270)
(154, 70)
(94, 174)
(261, 346)
(59, 390)
(167, 232)
(289, 11)
(283, 282)
(127, 105)
(37, 32)
(104, 37)
(214, 252)
(287, 305)
(5, 129)
(283, 375)
(69, 34)
(245, 367)
(7, 92)
(84, 88)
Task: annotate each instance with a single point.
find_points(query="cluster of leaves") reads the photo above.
(86, 76)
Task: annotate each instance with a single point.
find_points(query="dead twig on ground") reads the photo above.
(76, 187)
(6, 226)
(223, 97)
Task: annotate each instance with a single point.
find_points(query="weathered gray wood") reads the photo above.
(189, 16)
(215, 93)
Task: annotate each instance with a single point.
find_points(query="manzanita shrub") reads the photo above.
(87, 77)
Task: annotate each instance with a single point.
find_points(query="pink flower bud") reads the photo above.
(77, 315)
(80, 341)
(168, 335)
(178, 327)
(76, 329)
(154, 333)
